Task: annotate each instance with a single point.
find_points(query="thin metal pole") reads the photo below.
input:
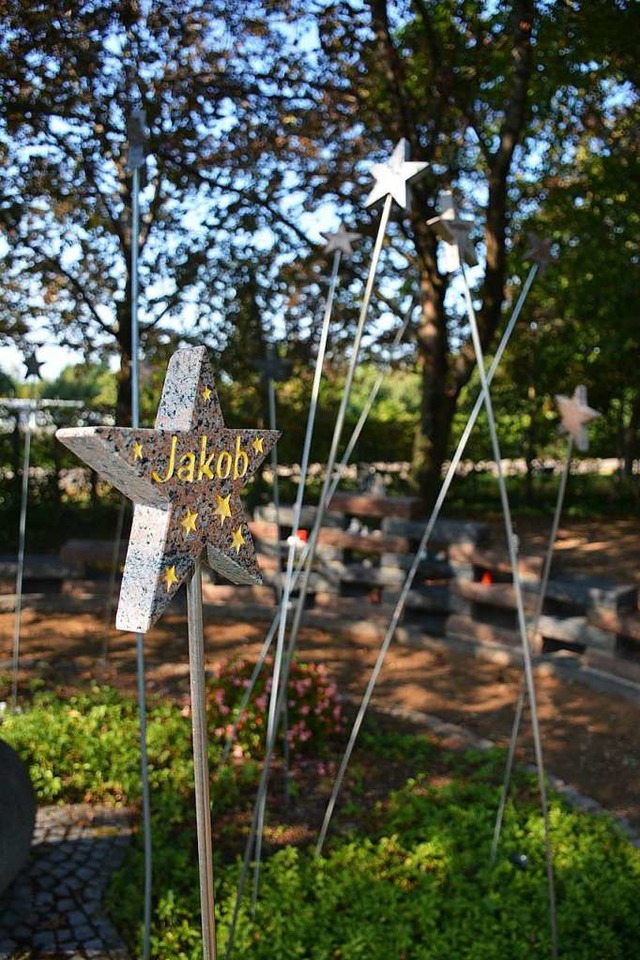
(201, 761)
(323, 502)
(426, 536)
(311, 549)
(337, 433)
(288, 580)
(142, 709)
(526, 652)
(542, 590)
(22, 531)
(146, 797)
(290, 577)
(271, 394)
(135, 337)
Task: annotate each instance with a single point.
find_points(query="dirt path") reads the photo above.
(590, 740)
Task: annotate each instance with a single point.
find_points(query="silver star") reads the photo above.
(540, 252)
(394, 176)
(455, 233)
(340, 241)
(575, 415)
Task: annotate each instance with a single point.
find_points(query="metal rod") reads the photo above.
(288, 580)
(290, 576)
(344, 460)
(146, 795)
(142, 710)
(542, 590)
(135, 337)
(201, 760)
(426, 536)
(331, 460)
(22, 532)
(271, 394)
(311, 547)
(526, 652)
(337, 433)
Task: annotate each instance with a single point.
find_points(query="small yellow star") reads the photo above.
(170, 578)
(206, 393)
(238, 539)
(222, 510)
(188, 522)
(137, 451)
(257, 445)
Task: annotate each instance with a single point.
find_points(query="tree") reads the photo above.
(494, 96)
(259, 116)
(70, 76)
(585, 309)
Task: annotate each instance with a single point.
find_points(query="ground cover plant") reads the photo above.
(405, 873)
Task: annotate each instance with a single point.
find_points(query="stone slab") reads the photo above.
(445, 532)
(17, 815)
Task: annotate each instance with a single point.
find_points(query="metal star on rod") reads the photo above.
(575, 415)
(184, 478)
(539, 251)
(341, 241)
(137, 136)
(455, 233)
(394, 176)
(33, 366)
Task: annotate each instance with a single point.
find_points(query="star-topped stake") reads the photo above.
(33, 366)
(539, 251)
(455, 233)
(575, 415)
(184, 478)
(394, 176)
(341, 241)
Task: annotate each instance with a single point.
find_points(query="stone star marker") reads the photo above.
(184, 478)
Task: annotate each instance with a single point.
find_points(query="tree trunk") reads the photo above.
(632, 437)
(438, 403)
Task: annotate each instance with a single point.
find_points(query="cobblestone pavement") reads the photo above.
(53, 909)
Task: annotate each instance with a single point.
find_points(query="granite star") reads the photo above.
(575, 415)
(341, 241)
(184, 485)
(394, 176)
(455, 233)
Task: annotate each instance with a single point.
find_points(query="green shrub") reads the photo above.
(410, 881)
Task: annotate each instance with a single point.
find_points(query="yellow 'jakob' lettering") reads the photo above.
(204, 467)
(171, 466)
(241, 458)
(187, 467)
(223, 464)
